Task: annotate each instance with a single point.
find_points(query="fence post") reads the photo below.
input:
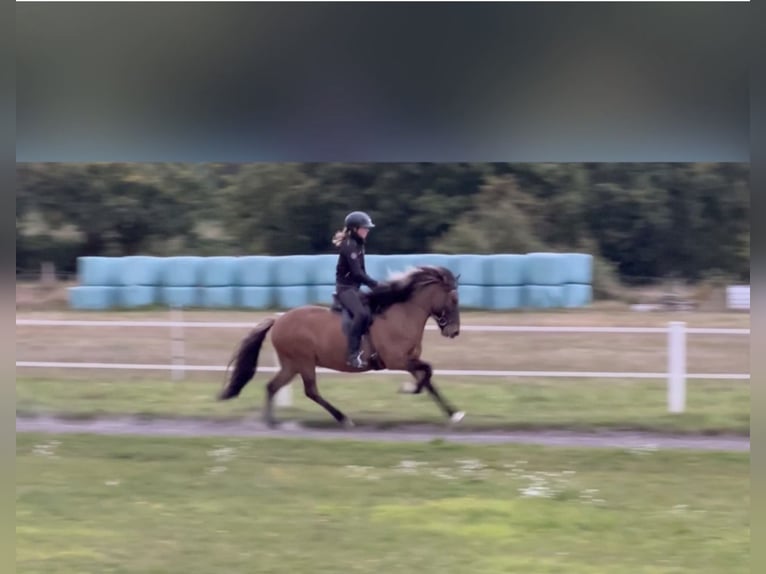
(676, 366)
(284, 396)
(177, 346)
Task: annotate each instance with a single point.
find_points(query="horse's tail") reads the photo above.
(245, 360)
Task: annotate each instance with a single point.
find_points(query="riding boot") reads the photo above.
(355, 358)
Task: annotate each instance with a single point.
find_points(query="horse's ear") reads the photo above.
(457, 278)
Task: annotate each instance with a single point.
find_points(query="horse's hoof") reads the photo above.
(226, 395)
(348, 423)
(407, 387)
(457, 417)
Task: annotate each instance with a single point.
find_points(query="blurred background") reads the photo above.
(645, 224)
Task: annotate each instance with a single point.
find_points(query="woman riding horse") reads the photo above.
(350, 275)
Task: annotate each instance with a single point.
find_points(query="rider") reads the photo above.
(350, 274)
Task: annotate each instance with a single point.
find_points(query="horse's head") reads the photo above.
(435, 289)
(445, 305)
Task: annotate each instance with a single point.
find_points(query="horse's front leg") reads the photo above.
(420, 371)
(423, 372)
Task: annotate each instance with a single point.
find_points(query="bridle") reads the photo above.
(441, 318)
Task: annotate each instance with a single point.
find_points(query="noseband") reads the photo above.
(441, 318)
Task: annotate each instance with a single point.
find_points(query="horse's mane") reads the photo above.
(400, 287)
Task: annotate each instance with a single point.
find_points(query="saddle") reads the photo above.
(345, 324)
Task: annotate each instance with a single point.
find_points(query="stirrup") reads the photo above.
(356, 361)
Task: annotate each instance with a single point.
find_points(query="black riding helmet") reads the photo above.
(357, 219)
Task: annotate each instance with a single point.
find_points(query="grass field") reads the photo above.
(713, 406)
(87, 504)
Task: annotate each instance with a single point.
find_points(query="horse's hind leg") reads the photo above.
(283, 377)
(312, 392)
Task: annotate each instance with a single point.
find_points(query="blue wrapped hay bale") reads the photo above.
(375, 266)
(505, 270)
(92, 298)
(324, 269)
(182, 271)
(472, 269)
(255, 271)
(544, 296)
(472, 297)
(545, 269)
(577, 295)
(451, 262)
(393, 264)
(98, 271)
(578, 268)
(292, 296)
(255, 297)
(135, 296)
(179, 297)
(504, 298)
(322, 294)
(219, 271)
(218, 297)
(433, 260)
(139, 270)
(293, 270)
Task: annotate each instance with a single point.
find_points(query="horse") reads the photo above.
(312, 336)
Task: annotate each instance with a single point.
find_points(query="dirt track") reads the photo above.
(188, 428)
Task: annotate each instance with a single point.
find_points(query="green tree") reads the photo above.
(117, 208)
(497, 224)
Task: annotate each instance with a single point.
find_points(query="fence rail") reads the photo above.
(676, 333)
(475, 328)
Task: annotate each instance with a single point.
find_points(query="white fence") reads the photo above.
(738, 297)
(675, 333)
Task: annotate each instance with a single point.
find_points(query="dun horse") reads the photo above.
(313, 336)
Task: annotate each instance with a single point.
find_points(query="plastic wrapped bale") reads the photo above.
(375, 265)
(472, 297)
(255, 271)
(324, 269)
(218, 297)
(134, 296)
(578, 268)
(98, 271)
(437, 260)
(442, 260)
(255, 297)
(140, 270)
(180, 297)
(504, 298)
(185, 271)
(219, 272)
(292, 296)
(544, 296)
(577, 295)
(545, 269)
(92, 298)
(293, 270)
(322, 294)
(505, 270)
(389, 265)
(472, 269)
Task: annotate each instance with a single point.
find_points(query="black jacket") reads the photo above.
(350, 271)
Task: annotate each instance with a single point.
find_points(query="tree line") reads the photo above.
(641, 221)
